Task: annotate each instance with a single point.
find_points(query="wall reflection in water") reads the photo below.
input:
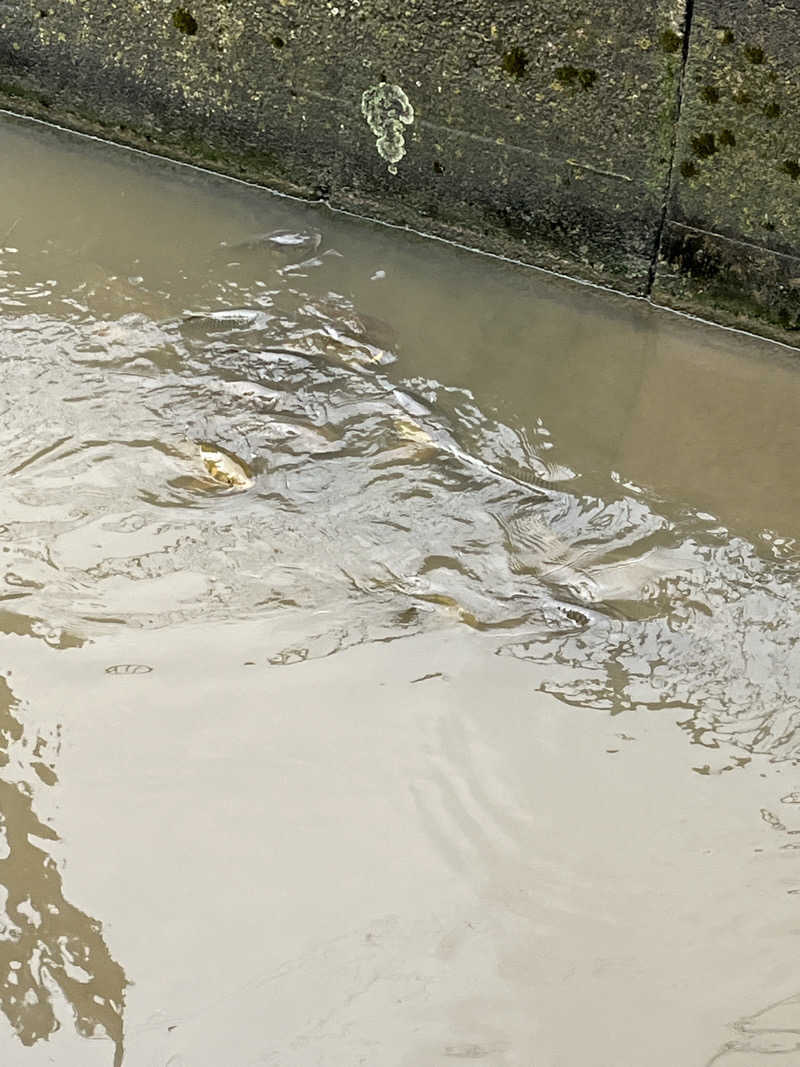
(53, 958)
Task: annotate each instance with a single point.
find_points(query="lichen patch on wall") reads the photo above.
(387, 110)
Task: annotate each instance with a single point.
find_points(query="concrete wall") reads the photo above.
(579, 137)
(731, 245)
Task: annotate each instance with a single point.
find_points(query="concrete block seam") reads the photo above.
(688, 14)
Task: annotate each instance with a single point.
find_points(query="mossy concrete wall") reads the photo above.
(652, 147)
(731, 244)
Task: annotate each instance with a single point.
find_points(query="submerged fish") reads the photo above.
(580, 572)
(228, 319)
(347, 337)
(535, 548)
(282, 242)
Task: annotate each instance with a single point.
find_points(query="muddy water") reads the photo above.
(400, 650)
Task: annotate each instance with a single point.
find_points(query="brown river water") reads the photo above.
(399, 649)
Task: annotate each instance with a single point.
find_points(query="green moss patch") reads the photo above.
(577, 77)
(184, 21)
(515, 61)
(670, 41)
(704, 145)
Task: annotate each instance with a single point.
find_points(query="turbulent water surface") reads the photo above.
(239, 436)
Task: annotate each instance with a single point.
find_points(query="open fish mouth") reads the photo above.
(227, 472)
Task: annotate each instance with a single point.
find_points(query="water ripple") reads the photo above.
(259, 455)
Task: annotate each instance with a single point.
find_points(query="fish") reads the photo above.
(535, 548)
(280, 242)
(581, 573)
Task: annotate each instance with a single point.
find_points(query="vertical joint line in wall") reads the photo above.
(687, 33)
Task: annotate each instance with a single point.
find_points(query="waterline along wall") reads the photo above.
(651, 147)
